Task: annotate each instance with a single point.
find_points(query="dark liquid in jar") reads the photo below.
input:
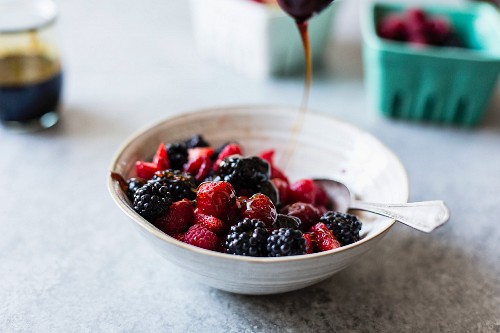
(30, 87)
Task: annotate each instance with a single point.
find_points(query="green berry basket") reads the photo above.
(435, 84)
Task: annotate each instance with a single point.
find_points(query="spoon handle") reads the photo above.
(424, 216)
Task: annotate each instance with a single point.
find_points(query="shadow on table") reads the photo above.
(417, 284)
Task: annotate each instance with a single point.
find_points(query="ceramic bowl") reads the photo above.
(325, 147)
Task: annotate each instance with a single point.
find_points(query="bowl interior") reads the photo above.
(323, 147)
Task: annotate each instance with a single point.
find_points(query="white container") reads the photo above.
(255, 39)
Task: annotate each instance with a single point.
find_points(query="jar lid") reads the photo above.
(23, 15)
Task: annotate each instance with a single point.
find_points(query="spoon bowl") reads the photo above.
(424, 216)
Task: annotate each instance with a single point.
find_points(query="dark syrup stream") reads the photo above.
(301, 11)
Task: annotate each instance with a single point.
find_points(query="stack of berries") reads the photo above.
(219, 200)
(416, 27)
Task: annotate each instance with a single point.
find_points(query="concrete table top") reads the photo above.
(69, 261)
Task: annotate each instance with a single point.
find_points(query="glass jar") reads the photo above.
(30, 67)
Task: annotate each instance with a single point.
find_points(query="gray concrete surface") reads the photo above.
(69, 261)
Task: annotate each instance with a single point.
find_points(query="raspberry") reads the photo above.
(243, 172)
(260, 207)
(178, 218)
(283, 189)
(286, 242)
(198, 236)
(211, 223)
(345, 227)
(309, 243)
(247, 238)
(152, 200)
(177, 155)
(323, 238)
(393, 27)
(303, 190)
(217, 199)
(180, 185)
(196, 141)
(307, 213)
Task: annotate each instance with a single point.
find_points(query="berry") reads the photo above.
(243, 172)
(283, 188)
(344, 226)
(303, 190)
(180, 236)
(177, 155)
(133, 184)
(178, 218)
(247, 238)
(226, 150)
(196, 141)
(209, 222)
(145, 170)
(199, 236)
(268, 155)
(180, 185)
(199, 167)
(309, 243)
(307, 213)
(393, 27)
(152, 200)
(323, 238)
(267, 188)
(285, 221)
(217, 199)
(286, 242)
(260, 207)
(161, 159)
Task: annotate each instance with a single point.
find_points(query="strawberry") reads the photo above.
(323, 238)
(199, 236)
(260, 207)
(211, 223)
(228, 150)
(217, 199)
(178, 218)
(161, 159)
(145, 170)
(303, 190)
(309, 243)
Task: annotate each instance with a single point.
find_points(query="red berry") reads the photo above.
(217, 199)
(393, 27)
(307, 213)
(228, 150)
(211, 223)
(145, 170)
(180, 236)
(323, 238)
(303, 190)
(283, 189)
(161, 159)
(416, 16)
(178, 218)
(201, 237)
(309, 243)
(268, 155)
(260, 207)
(194, 153)
(321, 198)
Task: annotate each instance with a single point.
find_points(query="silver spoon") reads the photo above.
(424, 216)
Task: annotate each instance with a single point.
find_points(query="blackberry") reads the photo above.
(152, 200)
(133, 184)
(243, 172)
(268, 188)
(286, 221)
(177, 155)
(247, 238)
(286, 242)
(345, 227)
(196, 141)
(181, 185)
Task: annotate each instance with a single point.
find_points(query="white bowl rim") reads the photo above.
(262, 260)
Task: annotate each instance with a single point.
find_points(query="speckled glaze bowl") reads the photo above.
(325, 147)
